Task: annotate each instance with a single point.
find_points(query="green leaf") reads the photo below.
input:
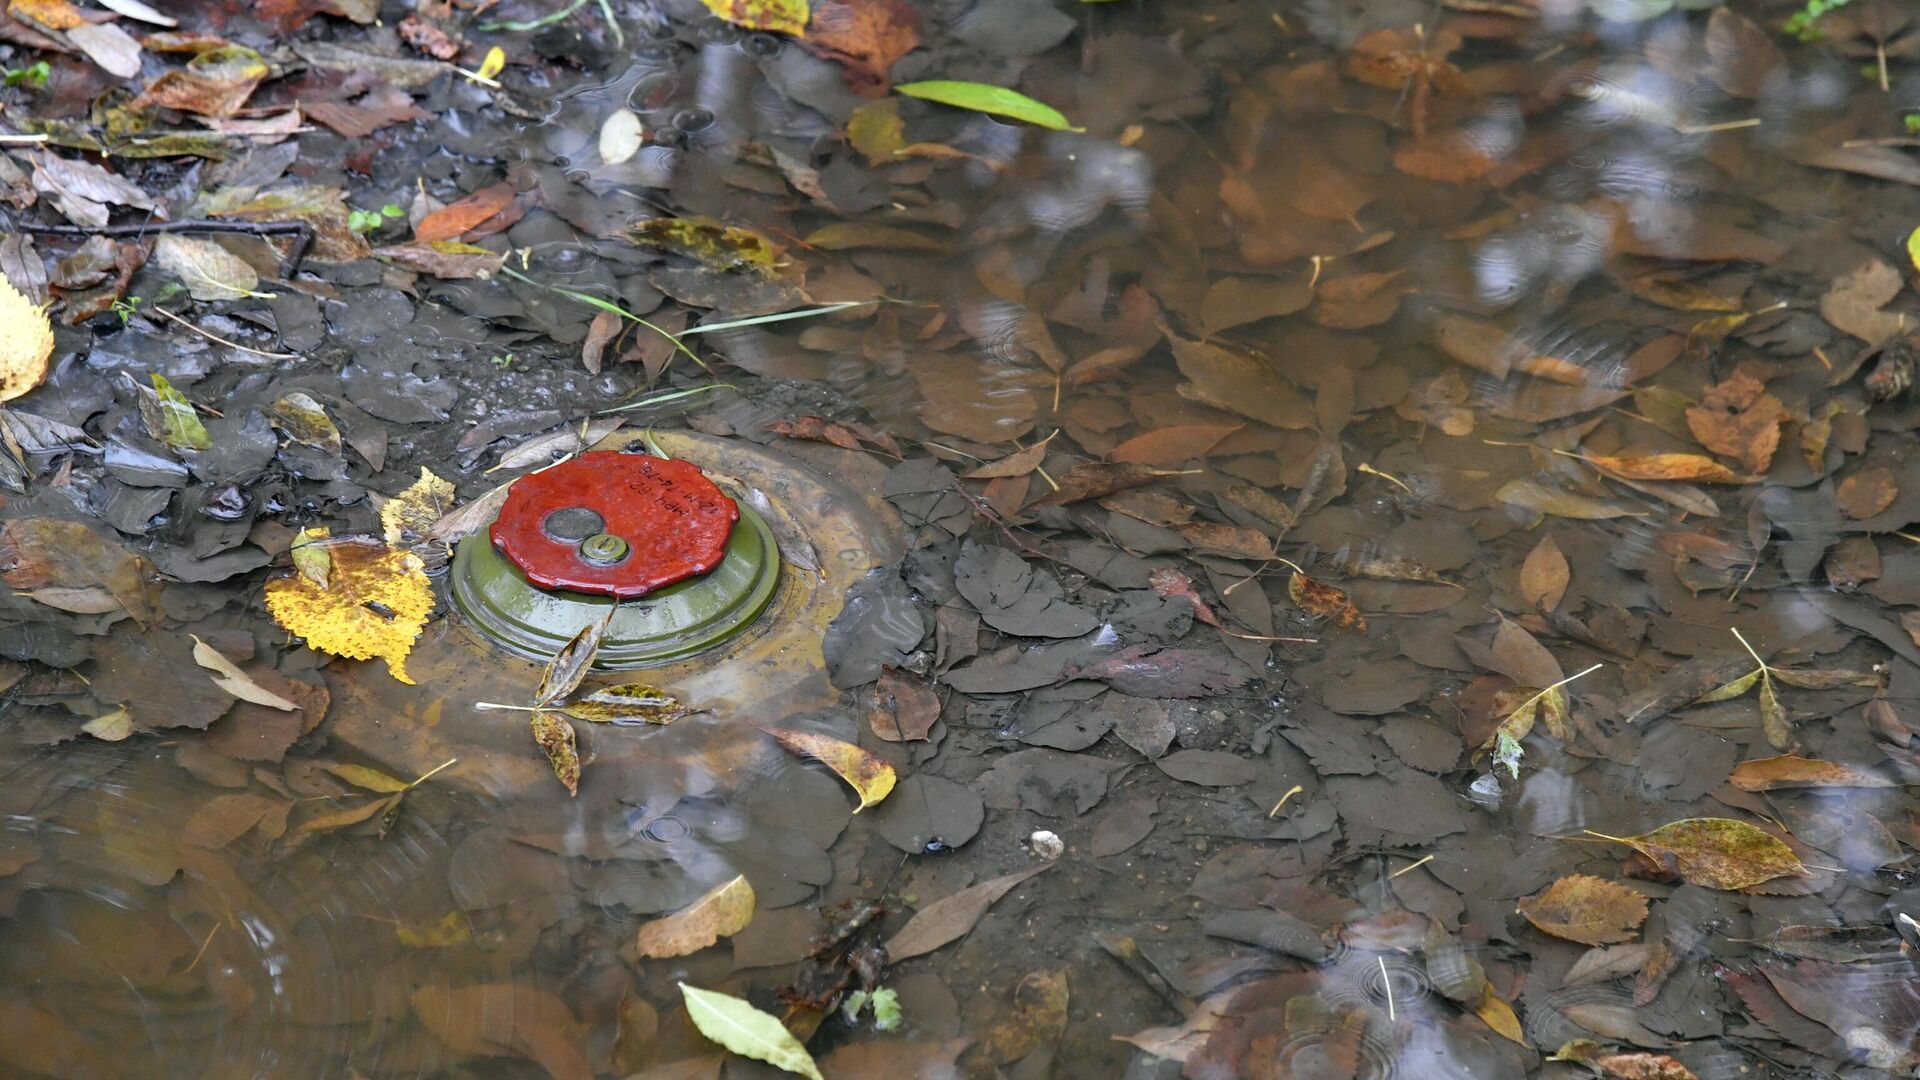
(981, 97)
(886, 1009)
(745, 1030)
(180, 427)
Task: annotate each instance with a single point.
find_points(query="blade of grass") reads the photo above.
(757, 320)
(604, 305)
(664, 398)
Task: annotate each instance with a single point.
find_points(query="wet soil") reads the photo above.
(1313, 510)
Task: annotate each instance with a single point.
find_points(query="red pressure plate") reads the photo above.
(614, 524)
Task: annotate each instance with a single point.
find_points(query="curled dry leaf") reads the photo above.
(374, 604)
(1325, 601)
(407, 517)
(1695, 467)
(722, 911)
(1631, 1066)
(1718, 853)
(27, 346)
(556, 739)
(1586, 909)
(1544, 575)
(569, 665)
(462, 216)
(870, 778)
(745, 1030)
(626, 705)
(1739, 419)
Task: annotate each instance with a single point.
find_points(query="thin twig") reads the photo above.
(301, 231)
(223, 341)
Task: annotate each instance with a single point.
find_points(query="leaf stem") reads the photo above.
(428, 775)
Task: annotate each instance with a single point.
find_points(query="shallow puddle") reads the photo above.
(1390, 550)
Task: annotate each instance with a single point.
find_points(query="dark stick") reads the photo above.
(299, 230)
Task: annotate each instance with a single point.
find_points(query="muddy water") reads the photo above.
(1365, 288)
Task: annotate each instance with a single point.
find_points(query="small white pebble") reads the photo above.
(1046, 844)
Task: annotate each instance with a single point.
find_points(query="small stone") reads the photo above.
(1047, 845)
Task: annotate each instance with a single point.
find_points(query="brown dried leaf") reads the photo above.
(1630, 1066)
(1239, 382)
(1867, 492)
(1172, 445)
(1586, 909)
(1739, 419)
(43, 553)
(722, 911)
(950, 918)
(904, 707)
(1544, 575)
(1696, 467)
(456, 219)
(1092, 479)
(556, 739)
(1325, 601)
(864, 37)
(1788, 771)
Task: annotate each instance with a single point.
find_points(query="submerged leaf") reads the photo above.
(305, 421)
(996, 100)
(1325, 601)
(745, 1030)
(778, 16)
(233, 680)
(722, 911)
(870, 778)
(374, 604)
(1631, 1066)
(556, 739)
(1719, 853)
(708, 242)
(949, 918)
(1788, 771)
(1586, 909)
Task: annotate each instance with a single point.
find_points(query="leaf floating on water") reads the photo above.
(745, 1030)
(950, 918)
(110, 726)
(1695, 467)
(364, 777)
(26, 347)
(995, 100)
(1499, 1016)
(556, 740)
(569, 666)
(209, 271)
(627, 705)
(1586, 909)
(375, 603)
(870, 778)
(722, 911)
(778, 16)
(407, 517)
(310, 555)
(1326, 602)
(1718, 853)
(178, 425)
(708, 242)
(622, 135)
(1038, 1018)
(233, 680)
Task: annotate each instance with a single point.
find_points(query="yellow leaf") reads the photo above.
(374, 604)
(1500, 1017)
(494, 64)
(310, 556)
(449, 931)
(26, 346)
(780, 16)
(407, 516)
(869, 777)
(1913, 248)
(724, 911)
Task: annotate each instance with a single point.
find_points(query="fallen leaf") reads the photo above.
(626, 705)
(374, 604)
(1038, 1018)
(1172, 445)
(878, 132)
(1789, 771)
(1629, 1066)
(1853, 303)
(1867, 492)
(605, 327)
(1485, 347)
(622, 134)
(449, 260)
(506, 1019)
(306, 422)
(722, 911)
(1170, 582)
(233, 680)
(1544, 575)
(870, 778)
(1586, 909)
(779, 16)
(1740, 419)
(209, 271)
(865, 37)
(1019, 463)
(563, 673)
(462, 216)
(950, 918)
(1149, 672)
(745, 1030)
(1499, 1016)
(1230, 541)
(556, 739)
(225, 818)
(452, 930)
(110, 726)
(27, 346)
(1325, 601)
(310, 554)
(1695, 467)
(1092, 479)
(216, 82)
(707, 242)
(904, 707)
(994, 100)
(1718, 853)
(173, 420)
(1541, 498)
(1239, 382)
(406, 518)
(363, 777)
(41, 553)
